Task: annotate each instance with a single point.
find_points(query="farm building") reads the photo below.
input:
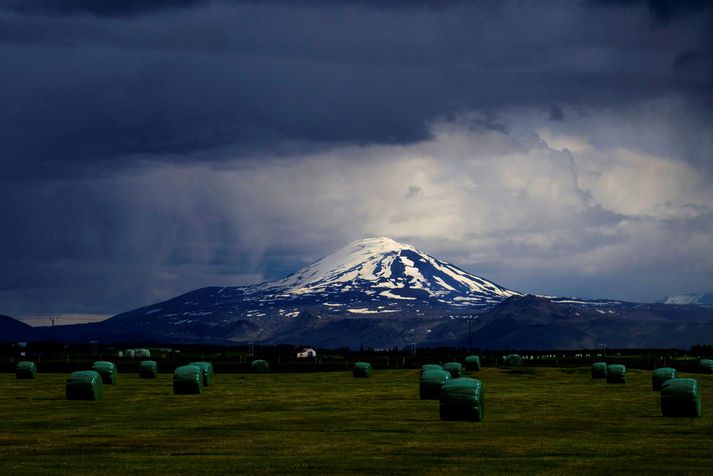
(306, 353)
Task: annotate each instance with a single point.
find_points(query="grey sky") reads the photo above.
(554, 147)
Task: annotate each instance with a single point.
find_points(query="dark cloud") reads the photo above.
(96, 7)
(229, 79)
(97, 96)
(664, 10)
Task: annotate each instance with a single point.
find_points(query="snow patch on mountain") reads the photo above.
(393, 270)
(690, 298)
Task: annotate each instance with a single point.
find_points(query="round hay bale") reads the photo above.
(455, 368)
(681, 397)
(659, 376)
(427, 367)
(706, 366)
(462, 399)
(599, 370)
(512, 360)
(206, 371)
(361, 370)
(84, 385)
(616, 373)
(188, 380)
(260, 366)
(472, 363)
(107, 370)
(431, 382)
(148, 369)
(26, 370)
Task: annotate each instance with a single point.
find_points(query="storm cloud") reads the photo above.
(150, 148)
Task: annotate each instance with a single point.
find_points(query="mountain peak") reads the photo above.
(381, 267)
(378, 244)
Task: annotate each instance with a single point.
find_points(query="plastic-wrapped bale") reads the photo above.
(426, 367)
(107, 370)
(706, 366)
(84, 385)
(462, 399)
(513, 360)
(681, 397)
(455, 368)
(188, 380)
(148, 369)
(26, 370)
(616, 373)
(659, 376)
(206, 371)
(472, 362)
(260, 366)
(431, 382)
(361, 370)
(599, 370)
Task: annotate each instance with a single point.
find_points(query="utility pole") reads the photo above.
(52, 328)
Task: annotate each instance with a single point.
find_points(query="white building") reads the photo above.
(306, 353)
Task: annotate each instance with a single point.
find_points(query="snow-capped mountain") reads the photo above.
(381, 293)
(384, 268)
(700, 299)
(378, 287)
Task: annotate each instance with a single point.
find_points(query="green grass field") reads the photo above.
(537, 421)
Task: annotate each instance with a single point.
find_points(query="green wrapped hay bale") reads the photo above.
(659, 376)
(431, 382)
(472, 363)
(706, 366)
(427, 367)
(512, 360)
(681, 397)
(26, 370)
(599, 370)
(462, 399)
(85, 385)
(455, 368)
(148, 369)
(616, 373)
(361, 370)
(107, 370)
(260, 366)
(206, 370)
(188, 380)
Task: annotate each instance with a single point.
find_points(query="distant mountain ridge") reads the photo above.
(705, 299)
(378, 292)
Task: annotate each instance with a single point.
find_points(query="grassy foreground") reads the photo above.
(537, 421)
